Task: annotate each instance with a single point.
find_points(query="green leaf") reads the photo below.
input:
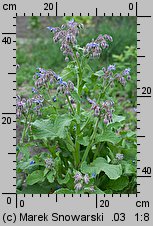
(25, 149)
(70, 71)
(108, 136)
(99, 73)
(43, 129)
(43, 188)
(58, 165)
(35, 177)
(46, 171)
(116, 122)
(60, 125)
(128, 169)
(131, 134)
(75, 95)
(65, 180)
(64, 191)
(26, 167)
(100, 164)
(117, 118)
(50, 176)
(83, 140)
(96, 190)
(49, 111)
(119, 184)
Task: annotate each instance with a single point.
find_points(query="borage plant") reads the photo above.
(83, 145)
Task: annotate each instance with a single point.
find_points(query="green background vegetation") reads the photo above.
(37, 49)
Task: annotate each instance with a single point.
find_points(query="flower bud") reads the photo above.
(86, 179)
(106, 121)
(78, 186)
(77, 54)
(66, 59)
(128, 77)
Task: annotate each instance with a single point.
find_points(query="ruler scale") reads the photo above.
(89, 209)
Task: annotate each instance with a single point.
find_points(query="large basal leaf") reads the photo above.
(43, 188)
(43, 129)
(119, 184)
(64, 191)
(100, 164)
(108, 136)
(35, 177)
(96, 190)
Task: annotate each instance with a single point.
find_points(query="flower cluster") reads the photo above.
(66, 35)
(104, 111)
(23, 105)
(94, 107)
(81, 180)
(119, 156)
(49, 163)
(65, 87)
(49, 76)
(42, 77)
(20, 106)
(95, 47)
(107, 107)
(122, 77)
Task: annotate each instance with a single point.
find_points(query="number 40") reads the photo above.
(7, 40)
(146, 170)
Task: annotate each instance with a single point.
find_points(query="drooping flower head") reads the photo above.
(86, 178)
(78, 177)
(95, 47)
(67, 36)
(78, 186)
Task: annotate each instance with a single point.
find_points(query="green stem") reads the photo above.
(98, 150)
(103, 92)
(91, 142)
(79, 90)
(68, 100)
(71, 147)
(24, 131)
(86, 123)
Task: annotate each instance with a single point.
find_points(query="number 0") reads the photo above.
(130, 6)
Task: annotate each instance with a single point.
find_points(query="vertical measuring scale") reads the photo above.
(92, 209)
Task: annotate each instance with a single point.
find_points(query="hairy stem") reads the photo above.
(91, 141)
(24, 131)
(69, 102)
(102, 94)
(79, 90)
(86, 123)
